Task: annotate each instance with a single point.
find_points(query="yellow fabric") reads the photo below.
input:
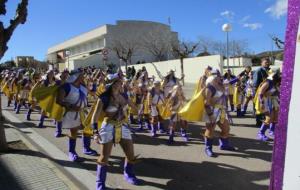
(194, 109)
(256, 101)
(87, 122)
(236, 97)
(5, 89)
(117, 127)
(223, 112)
(100, 89)
(133, 111)
(231, 89)
(146, 106)
(197, 88)
(165, 110)
(46, 98)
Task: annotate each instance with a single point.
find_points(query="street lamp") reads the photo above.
(227, 28)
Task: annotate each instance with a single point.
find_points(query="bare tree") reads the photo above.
(237, 48)
(158, 44)
(206, 45)
(124, 49)
(184, 50)
(5, 35)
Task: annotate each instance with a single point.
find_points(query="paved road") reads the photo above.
(182, 165)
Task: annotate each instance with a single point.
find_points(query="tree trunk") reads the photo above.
(182, 70)
(3, 144)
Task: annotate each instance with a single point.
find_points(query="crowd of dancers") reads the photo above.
(104, 105)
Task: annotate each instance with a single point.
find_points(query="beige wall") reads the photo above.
(193, 67)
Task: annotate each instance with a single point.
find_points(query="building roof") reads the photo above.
(95, 33)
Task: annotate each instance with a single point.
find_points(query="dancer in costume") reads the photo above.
(140, 100)
(202, 80)
(215, 113)
(238, 97)
(259, 76)
(47, 80)
(169, 82)
(36, 81)
(25, 85)
(177, 101)
(72, 95)
(60, 80)
(229, 88)
(249, 91)
(155, 102)
(267, 103)
(111, 111)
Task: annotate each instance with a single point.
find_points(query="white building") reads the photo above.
(86, 49)
(238, 62)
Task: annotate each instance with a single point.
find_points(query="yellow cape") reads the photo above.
(256, 101)
(46, 98)
(194, 109)
(197, 88)
(236, 97)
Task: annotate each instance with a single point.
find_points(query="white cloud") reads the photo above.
(278, 9)
(245, 18)
(253, 26)
(227, 14)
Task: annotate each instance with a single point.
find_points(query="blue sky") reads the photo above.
(53, 21)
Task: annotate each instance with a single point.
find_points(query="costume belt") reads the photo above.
(221, 112)
(117, 131)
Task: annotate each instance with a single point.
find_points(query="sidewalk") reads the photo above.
(23, 167)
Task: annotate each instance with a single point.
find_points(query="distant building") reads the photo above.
(238, 62)
(24, 61)
(87, 48)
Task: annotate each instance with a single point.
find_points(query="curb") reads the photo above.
(31, 137)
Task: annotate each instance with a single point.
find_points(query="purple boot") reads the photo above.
(153, 130)
(208, 147)
(58, 129)
(140, 123)
(171, 137)
(16, 105)
(41, 124)
(245, 109)
(161, 128)
(8, 103)
(224, 144)
(18, 108)
(28, 115)
(184, 135)
(272, 129)
(73, 156)
(101, 177)
(261, 134)
(86, 141)
(129, 175)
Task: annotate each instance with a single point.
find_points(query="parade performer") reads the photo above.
(72, 95)
(143, 109)
(155, 102)
(169, 82)
(110, 115)
(259, 76)
(36, 81)
(177, 101)
(229, 88)
(215, 114)
(24, 88)
(267, 103)
(47, 80)
(201, 83)
(60, 80)
(250, 93)
(238, 97)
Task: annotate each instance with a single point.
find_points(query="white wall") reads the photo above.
(193, 67)
(238, 62)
